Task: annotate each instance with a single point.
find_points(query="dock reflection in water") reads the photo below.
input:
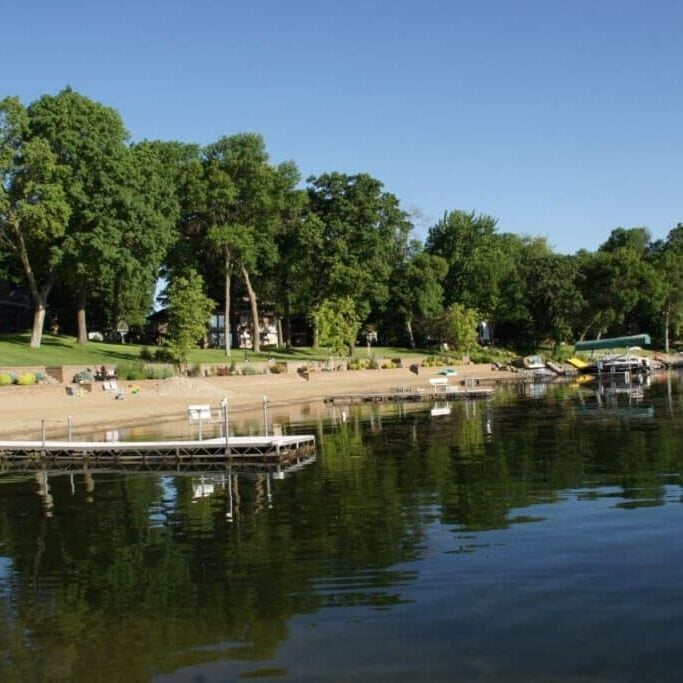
(205, 482)
(616, 398)
(415, 547)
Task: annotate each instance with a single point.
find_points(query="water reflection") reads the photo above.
(205, 484)
(416, 546)
(617, 398)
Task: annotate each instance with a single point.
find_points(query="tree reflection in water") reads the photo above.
(136, 576)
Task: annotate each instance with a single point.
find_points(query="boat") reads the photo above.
(530, 363)
(535, 367)
(630, 362)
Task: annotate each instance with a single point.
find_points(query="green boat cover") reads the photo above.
(614, 342)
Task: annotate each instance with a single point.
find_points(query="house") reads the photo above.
(16, 309)
(240, 329)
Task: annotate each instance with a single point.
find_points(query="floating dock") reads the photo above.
(187, 454)
(414, 395)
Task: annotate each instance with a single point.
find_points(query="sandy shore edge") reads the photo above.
(23, 408)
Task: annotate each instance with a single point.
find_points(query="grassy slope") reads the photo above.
(61, 350)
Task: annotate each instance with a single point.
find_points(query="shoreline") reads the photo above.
(24, 408)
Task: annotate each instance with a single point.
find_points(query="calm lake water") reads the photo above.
(533, 537)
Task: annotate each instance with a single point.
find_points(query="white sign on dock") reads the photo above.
(196, 413)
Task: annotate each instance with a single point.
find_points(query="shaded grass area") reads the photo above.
(64, 350)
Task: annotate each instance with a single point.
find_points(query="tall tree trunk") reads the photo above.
(226, 309)
(39, 295)
(38, 324)
(288, 311)
(40, 306)
(409, 330)
(82, 326)
(255, 327)
(587, 328)
(116, 305)
(288, 323)
(316, 334)
(667, 320)
(279, 331)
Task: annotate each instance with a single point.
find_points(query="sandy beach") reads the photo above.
(23, 408)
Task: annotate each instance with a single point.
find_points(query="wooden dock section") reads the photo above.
(252, 450)
(414, 395)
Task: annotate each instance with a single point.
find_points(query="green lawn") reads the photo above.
(63, 350)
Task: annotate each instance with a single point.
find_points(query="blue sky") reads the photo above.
(562, 119)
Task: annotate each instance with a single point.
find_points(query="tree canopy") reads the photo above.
(90, 220)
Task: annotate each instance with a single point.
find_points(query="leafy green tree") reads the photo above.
(668, 262)
(457, 326)
(506, 307)
(363, 233)
(552, 296)
(338, 323)
(634, 239)
(228, 238)
(146, 228)
(33, 207)
(466, 242)
(241, 204)
(181, 164)
(416, 289)
(620, 285)
(297, 240)
(189, 310)
(91, 141)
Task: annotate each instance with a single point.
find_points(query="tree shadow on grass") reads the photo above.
(68, 345)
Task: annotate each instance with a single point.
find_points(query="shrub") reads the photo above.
(195, 370)
(436, 361)
(249, 370)
(490, 355)
(278, 368)
(363, 364)
(131, 371)
(6, 379)
(146, 353)
(163, 355)
(42, 378)
(457, 325)
(26, 378)
(158, 372)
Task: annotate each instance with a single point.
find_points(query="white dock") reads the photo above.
(235, 449)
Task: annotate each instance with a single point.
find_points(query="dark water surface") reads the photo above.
(534, 537)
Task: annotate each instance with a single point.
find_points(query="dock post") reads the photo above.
(226, 425)
(265, 415)
(42, 435)
(68, 428)
(229, 515)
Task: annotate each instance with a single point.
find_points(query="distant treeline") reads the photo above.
(90, 222)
